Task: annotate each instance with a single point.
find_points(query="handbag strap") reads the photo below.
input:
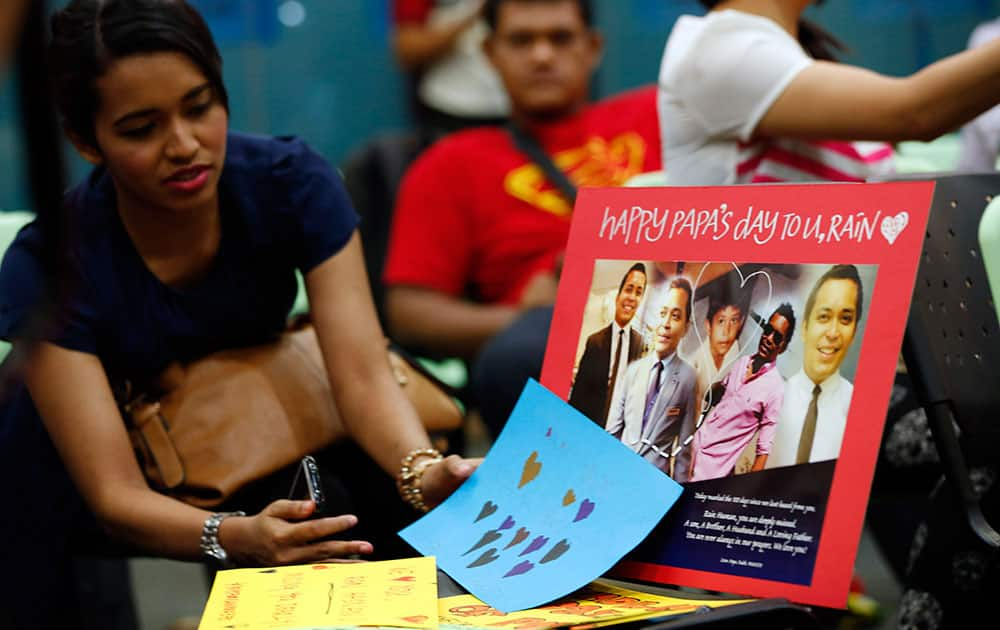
(527, 144)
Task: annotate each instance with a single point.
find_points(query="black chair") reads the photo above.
(952, 341)
(372, 174)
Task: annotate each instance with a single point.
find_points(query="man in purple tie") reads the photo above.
(654, 408)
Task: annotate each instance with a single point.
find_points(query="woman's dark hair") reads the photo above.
(816, 41)
(90, 35)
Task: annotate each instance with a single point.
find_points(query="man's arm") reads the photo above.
(581, 383)
(691, 408)
(768, 426)
(616, 415)
(438, 322)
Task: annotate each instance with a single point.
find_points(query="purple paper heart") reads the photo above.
(520, 568)
(507, 524)
(537, 543)
(586, 507)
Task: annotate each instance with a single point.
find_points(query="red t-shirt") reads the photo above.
(474, 217)
(411, 11)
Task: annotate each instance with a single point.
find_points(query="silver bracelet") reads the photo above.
(210, 547)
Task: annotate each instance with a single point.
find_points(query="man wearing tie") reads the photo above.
(817, 397)
(609, 351)
(653, 410)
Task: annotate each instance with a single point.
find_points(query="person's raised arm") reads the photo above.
(417, 45)
(73, 396)
(371, 403)
(11, 19)
(837, 101)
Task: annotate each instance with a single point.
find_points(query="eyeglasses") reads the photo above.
(770, 331)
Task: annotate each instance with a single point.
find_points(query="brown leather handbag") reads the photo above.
(236, 416)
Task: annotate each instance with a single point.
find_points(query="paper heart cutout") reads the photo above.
(520, 568)
(557, 550)
(585, 509)
(535, 544)
(892, 227)
(488, 556)
(569, 498)
(531, 469)
(519, 538)
(490, 536)
(743, 282)
(489, 508)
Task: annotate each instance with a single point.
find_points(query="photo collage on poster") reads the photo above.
(711, 370)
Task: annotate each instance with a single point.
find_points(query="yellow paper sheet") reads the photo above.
(593, 606)
(400, 593)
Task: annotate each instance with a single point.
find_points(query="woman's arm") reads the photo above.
(418, 45)
(371, 403)
(72, 395)
(838, 101)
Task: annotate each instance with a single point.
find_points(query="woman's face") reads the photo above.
(161, 133)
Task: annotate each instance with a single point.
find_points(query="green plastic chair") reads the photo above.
(10, 223)
(989, 244)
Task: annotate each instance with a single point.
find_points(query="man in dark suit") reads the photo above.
(653, 411)
(609, 351)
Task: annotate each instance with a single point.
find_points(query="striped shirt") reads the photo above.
(720, 74)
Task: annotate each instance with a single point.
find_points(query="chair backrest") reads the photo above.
(953, 340)
(372, 174)
(10, 223)
(989, 243)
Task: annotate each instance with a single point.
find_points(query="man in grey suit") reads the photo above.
(609, 351)
(654, 410)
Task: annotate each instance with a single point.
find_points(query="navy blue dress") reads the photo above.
(283, 208)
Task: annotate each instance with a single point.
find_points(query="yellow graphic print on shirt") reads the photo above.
(599, 162)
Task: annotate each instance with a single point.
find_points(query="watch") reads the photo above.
(210, 547)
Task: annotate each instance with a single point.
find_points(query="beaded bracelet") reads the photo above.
(408, 481)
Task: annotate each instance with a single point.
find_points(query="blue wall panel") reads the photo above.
(332, 78)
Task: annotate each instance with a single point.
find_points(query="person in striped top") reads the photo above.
(750, 93)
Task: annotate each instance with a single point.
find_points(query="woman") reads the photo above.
(748, 93)
(185, 240)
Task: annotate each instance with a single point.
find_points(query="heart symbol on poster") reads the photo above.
(743, 283)
(892, 227)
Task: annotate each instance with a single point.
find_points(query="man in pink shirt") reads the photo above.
(751, 404)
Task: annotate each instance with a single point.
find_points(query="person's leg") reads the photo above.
(46, 581)
(505, 364)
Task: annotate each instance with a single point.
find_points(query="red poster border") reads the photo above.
(886, 320)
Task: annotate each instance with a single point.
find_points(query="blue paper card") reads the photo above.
(555, 504)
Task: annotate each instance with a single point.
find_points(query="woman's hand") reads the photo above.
(442, 478)
(280, 535)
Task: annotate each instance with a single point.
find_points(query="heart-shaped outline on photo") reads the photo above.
(743, 282)
(892, 227)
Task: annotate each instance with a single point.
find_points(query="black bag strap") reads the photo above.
(527, 144)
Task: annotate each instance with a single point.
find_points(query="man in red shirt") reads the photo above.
(479, 231)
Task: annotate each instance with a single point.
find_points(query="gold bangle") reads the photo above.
(408, 480)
